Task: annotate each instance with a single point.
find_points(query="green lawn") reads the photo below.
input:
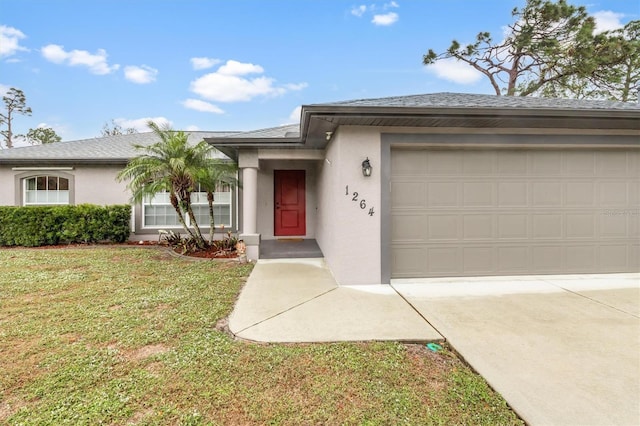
(119, 335)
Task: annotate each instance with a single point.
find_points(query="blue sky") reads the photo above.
(235, 65)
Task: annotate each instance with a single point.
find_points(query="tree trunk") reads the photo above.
(9, 133)
(200, 241)
(514, 72)
(212, 227)
(626, 87)
(176, 206)
(184, 196)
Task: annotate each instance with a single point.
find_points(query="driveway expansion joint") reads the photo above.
(284, 311)
(591, 299)
(444, 338)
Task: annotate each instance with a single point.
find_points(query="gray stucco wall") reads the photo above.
(348, 236)
(91, 184)
(7, 186)
(98, 185)
(327, 216)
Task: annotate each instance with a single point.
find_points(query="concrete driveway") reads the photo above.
(562, 350)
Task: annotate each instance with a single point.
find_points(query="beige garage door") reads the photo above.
(511, 212)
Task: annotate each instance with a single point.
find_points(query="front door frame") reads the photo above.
(297, 179)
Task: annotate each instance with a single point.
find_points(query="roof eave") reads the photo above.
(241, 141)
(400, 111)
(231, 146)
(64, 161)
(317, 120)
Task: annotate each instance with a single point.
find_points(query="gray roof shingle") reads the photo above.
(117, 148)
(286, 131)
(468, 100)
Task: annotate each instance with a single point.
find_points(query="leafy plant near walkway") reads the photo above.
(127, 335)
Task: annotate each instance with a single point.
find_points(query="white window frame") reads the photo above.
(198, 199)
(62, 197)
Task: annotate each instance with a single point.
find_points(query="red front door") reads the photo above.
(289, 203)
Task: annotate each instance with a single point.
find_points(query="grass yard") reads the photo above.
(121, 335)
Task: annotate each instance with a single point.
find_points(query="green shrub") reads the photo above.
(49, 225)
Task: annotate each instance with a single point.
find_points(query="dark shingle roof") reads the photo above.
(105, 149)
(286, 131)
(468, 100)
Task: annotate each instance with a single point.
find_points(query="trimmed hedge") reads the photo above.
(49, 225)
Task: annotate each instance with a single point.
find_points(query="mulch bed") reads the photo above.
(210, 253)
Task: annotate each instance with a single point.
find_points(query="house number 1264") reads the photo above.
(362, 203)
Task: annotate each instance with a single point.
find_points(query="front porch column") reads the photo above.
(249, 200)
(248, 162)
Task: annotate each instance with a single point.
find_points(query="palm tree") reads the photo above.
(217, 174)
(170, 165)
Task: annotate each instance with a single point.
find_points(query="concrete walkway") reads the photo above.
(298, 300)
(562, 350)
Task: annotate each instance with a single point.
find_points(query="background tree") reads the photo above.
(42, 135)
(618, 81)
(623, 79)
(115, 129)
(551, 48)
(170, 165)
(15, 103)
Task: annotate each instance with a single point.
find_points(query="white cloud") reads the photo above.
(4, 89)
(359, 10)
(607, 20)
(229, 84)
(380, 18)
(385, 19)
(140, 124)
(140, 75)
(295, 87)
(10, 41)
(192, 128)
(227, 88)
(203, 63)
(97, 63)
(203, 106)
(238, 68)
(455, 71)
(54, 53)
(19, 140)
(294, 117)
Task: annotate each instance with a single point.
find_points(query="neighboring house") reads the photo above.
(461, 185)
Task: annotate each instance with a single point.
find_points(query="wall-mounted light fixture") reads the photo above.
(328, 135)
(366, 167)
